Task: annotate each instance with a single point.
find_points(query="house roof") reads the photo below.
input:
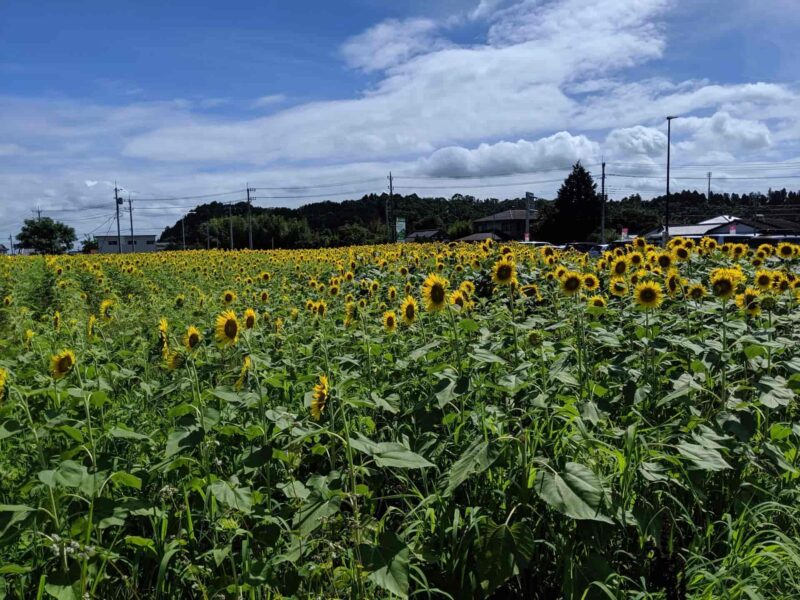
(479, 237)
(3, 248)
(424, 233)
(514, 214)
(720, 220)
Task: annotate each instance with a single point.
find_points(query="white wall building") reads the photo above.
(108, 244)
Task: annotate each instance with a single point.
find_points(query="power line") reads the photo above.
(170, 199)
(488, 185)
(661, 178)
(322, 185)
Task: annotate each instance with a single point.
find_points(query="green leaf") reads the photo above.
(506, 551)
(126, 479)
(392, 454)
(182, 439)
(388, 562)
(482, 355)
(702, 458)
(9, 428)
(476, 459)
(776, 392)
(238, 498)
(315, 508)
(575, 492)
(141, 542)
(127, 434)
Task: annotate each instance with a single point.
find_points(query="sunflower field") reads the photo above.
(422, 420)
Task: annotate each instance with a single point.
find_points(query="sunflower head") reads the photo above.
(62, 363)
(3, 381)
(696, 292)
(724, 282)
(319, 397)
(590, 282)
(226, 330)
(434, 292)
(648, 295)
(619, 266)
(457, 299)
(106, 310)
(228, 297)
(389, 321)
(763, 279)
(249, 318)
(596, 302)
(618, 286)
(408, 310)
(192, 338)
(748, 301)
(571, 282)
(785, 250)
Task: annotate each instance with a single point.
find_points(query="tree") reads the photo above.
(46, 236)
(577, 208)
(89, 245)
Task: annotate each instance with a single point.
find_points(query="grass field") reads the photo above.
(434, 421)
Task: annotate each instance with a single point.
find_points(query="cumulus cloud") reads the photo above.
(636, 140)
(268, 100)
(558, 151)
(724, 132)
(392, 42)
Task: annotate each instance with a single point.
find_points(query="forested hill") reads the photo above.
(363, 221)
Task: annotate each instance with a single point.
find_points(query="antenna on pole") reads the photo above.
(249, 218)
(130, 211)
(603, 205)
(117, 202)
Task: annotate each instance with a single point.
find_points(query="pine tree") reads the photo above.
(577, 207)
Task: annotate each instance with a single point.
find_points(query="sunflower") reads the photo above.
(785, 250)
(618, 286)
(434, 292)
(597, 302)
(619, 266)
(264, 296)
(457, 299)
(319, 397)
(467, 287)
(180, 300)
(591, 282)
(571, 282)
(648, 294)
(7, 301)
(192, 338)
(763, 279)
(163, 327)
(57, 320)
(62, 363)
(226, 330)
(246, 365)
(392, 293)
(3, 380)
(635, 258)
(724, 282)
(321, 308)
(105, 310)
(90, 326)
(249, 318)
(408, 310)
(531, 291)
(748, 301)
(228, 296)
(174, 360)
(696, 292)
(674, 283)
(389, 321)
(780, 282)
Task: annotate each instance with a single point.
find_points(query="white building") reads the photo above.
(109, 244)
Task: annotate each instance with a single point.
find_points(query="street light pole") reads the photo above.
(666, 204)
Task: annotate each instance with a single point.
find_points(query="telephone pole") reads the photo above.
(603, 205)
(529, 197)
(249, 218)
(388, 202)
(130, 212)
(666, 204)
(11, 241)
(708, 195)
(117, 202)
(230, 221)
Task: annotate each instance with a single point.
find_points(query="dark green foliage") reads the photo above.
(46, 236)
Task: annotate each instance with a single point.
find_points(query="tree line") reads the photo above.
(573, 215)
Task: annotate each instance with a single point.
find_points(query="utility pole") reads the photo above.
(38, 213)
(130, 212)
(230, 221)
(708, 195)
(388, 201)
(208, 236)
(183, 230)
(666, 204)
(117, 202)
(529, 197)
(11, 241)
(603, 205)
(249, 218)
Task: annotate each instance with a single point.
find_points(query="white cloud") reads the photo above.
(724, 132)
(11, 149)
(558, 151)
(636, 140)
(392, 42)
(268, 100)
(485, 9)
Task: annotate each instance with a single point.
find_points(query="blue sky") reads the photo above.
(181, 98)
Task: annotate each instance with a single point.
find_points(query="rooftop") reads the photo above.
(514, 214)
